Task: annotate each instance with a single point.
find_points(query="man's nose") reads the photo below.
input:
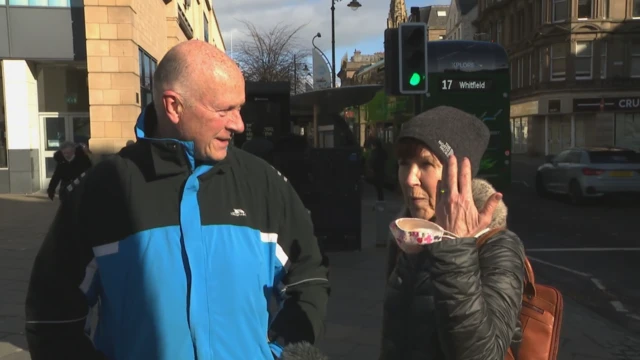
(235, 124)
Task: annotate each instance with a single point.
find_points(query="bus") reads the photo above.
(472, 76)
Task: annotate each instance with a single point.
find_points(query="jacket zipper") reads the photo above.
(286, 287)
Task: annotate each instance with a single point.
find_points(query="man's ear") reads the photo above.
(173, 105)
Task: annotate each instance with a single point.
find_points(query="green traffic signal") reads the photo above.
(415, 79)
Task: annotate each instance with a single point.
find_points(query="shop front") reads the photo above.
(615, 120)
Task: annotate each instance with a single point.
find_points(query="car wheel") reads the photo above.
(540, 188)
(575, 193)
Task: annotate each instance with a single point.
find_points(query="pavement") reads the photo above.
(354, 316)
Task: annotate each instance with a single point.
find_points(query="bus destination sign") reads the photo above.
(465, 85)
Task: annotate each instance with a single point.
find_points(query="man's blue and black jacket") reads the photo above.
(183, 257)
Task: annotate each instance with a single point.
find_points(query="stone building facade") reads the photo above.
(575, 71)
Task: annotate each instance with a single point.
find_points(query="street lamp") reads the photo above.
(353, 5)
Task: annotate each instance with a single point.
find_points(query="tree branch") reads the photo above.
(273, 55)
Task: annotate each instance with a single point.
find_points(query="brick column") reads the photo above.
(114, 76)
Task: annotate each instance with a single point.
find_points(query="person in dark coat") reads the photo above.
(72, 161)
(448, 299)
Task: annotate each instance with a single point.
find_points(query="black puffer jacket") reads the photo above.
(453, 301)
(67, 171)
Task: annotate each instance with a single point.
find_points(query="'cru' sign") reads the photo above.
(606, 104)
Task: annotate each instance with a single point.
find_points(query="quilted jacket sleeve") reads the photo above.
(478, 295)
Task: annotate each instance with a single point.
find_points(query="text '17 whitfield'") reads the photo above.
(465, 85)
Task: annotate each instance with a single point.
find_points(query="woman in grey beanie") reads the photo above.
(445, 298)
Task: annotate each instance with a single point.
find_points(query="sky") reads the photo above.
(362, 29)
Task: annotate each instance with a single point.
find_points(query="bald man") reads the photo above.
(181, 240)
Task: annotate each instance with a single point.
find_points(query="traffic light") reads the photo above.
(412, 39)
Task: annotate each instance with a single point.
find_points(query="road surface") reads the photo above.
(591, 252)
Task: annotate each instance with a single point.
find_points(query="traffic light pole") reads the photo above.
(417, 99)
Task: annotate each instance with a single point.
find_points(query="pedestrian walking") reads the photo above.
(446, 298)
(72, 161)
(181, 239)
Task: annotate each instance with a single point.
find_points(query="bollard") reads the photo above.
(382, 223)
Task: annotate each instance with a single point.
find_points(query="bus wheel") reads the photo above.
(575, 193)
(540, 188)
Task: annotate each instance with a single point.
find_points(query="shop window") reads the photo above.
(560, 10)
(205, 25)
(147, 69)
(627, 131)
(519, 135)
(584, 60)
(583, 127)
(558, 62)
(585, 9)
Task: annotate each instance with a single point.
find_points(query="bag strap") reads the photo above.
(530, 279)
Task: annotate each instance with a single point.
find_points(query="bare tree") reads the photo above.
(274, 55)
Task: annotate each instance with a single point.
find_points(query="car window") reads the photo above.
(614, 157)
(562, 157)
(574, 157)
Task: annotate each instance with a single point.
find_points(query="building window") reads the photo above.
(603, 60)
(511, 77)
(636, 9)
(635, 60)
(585, 9)
(147, 69)
(541, 63)
(499, 32)
(584, 60)
(560, 10)
(521, 24)
(42, 3)
(558, 61)
(521, 71)
(530, 77)
(205, 25)
(543, 11)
